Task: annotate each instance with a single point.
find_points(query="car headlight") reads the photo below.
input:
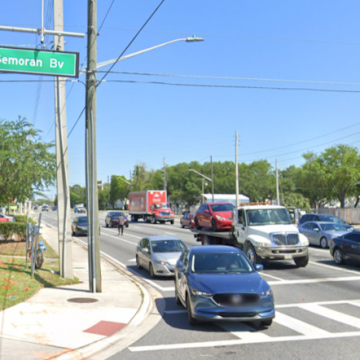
(200, 293)
(266, 293)
(263, 244)
(160, 262)
(220, 217)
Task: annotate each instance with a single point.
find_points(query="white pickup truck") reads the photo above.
(264, 232)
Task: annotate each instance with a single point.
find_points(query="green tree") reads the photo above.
(119, 189)
(341, 165)
(27, 166)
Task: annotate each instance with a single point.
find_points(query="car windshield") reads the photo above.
(268, 217)
(113, 214)
(162, 206)
(222, 207)
(220, 263)
(333, 227)
(330, 218)
(165, 246)
(82, 220)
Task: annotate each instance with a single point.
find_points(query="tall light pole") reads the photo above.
(204, 177)
(277, 183)
(212, 179)
(237, 168)
(91, 167)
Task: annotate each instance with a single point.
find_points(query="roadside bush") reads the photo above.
(8, 229)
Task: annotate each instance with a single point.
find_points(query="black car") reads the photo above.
(324, 217)
(112, 219)
(80, 226)
(346, 247)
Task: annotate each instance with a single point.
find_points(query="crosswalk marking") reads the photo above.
(246, 334)
(298, 325)
(332, 314)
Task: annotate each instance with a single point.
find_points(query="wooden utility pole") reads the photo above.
(63, 191)
(237, 167)
(212, 179)
(91, 168)
(277, 183)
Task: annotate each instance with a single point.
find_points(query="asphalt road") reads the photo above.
(317, 309)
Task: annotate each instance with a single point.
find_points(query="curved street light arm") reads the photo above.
(205, 177)
(109, 62)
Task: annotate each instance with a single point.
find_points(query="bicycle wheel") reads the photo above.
(39, 258)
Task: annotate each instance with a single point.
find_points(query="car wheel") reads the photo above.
(251, 254)
(153, 220)
(302, 261)
(338, 256)
(172, 222)
(182, 225)
(323, 243)
(151, 270)
(214, 225)
(192, 321)
(138, 263)
(197, 225)
(106, 224)
(266, 322)
(127, 225)
(177, 299)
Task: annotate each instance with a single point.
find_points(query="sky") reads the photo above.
(256, 73)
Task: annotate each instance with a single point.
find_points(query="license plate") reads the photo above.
(287, 257)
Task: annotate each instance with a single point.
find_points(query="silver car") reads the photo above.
(321, 232)
(159, 254)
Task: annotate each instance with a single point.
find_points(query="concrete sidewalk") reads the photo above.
(70, 322)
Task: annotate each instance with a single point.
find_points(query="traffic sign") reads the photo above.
(40, 62)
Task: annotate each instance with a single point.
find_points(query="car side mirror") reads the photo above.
(259, 267)
(206, 211)
(181, 266)
(146, 250)
(317, 229)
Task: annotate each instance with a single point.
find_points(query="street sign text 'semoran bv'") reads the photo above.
(40, 62)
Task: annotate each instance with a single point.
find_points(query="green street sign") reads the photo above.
(40, 62)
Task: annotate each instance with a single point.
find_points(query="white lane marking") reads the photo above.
(332, 314)
(298, 325)
(355, 303)
(132, 260)
(125, 234)
(334, 302)
(244, 332)
(137, 274)
(335, 268)
(169, 233)
(158, 286)
(311, 281)
(241, 342)
(120, 238)
(271, 276)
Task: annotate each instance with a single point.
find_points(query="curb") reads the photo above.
(125, 337)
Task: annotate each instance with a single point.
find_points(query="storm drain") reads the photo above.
(82, 300)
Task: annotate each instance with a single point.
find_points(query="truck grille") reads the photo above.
(165, 213)
(286, 239)
(235, 299)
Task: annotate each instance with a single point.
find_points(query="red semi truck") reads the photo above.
(151, 206)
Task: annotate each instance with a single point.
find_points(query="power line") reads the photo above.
(233, 86)
(232, 78)
(130, 43)
(133, 39)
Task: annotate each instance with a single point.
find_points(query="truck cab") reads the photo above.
(162, 213)
(266, 232)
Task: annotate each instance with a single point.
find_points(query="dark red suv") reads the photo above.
(217, 216)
